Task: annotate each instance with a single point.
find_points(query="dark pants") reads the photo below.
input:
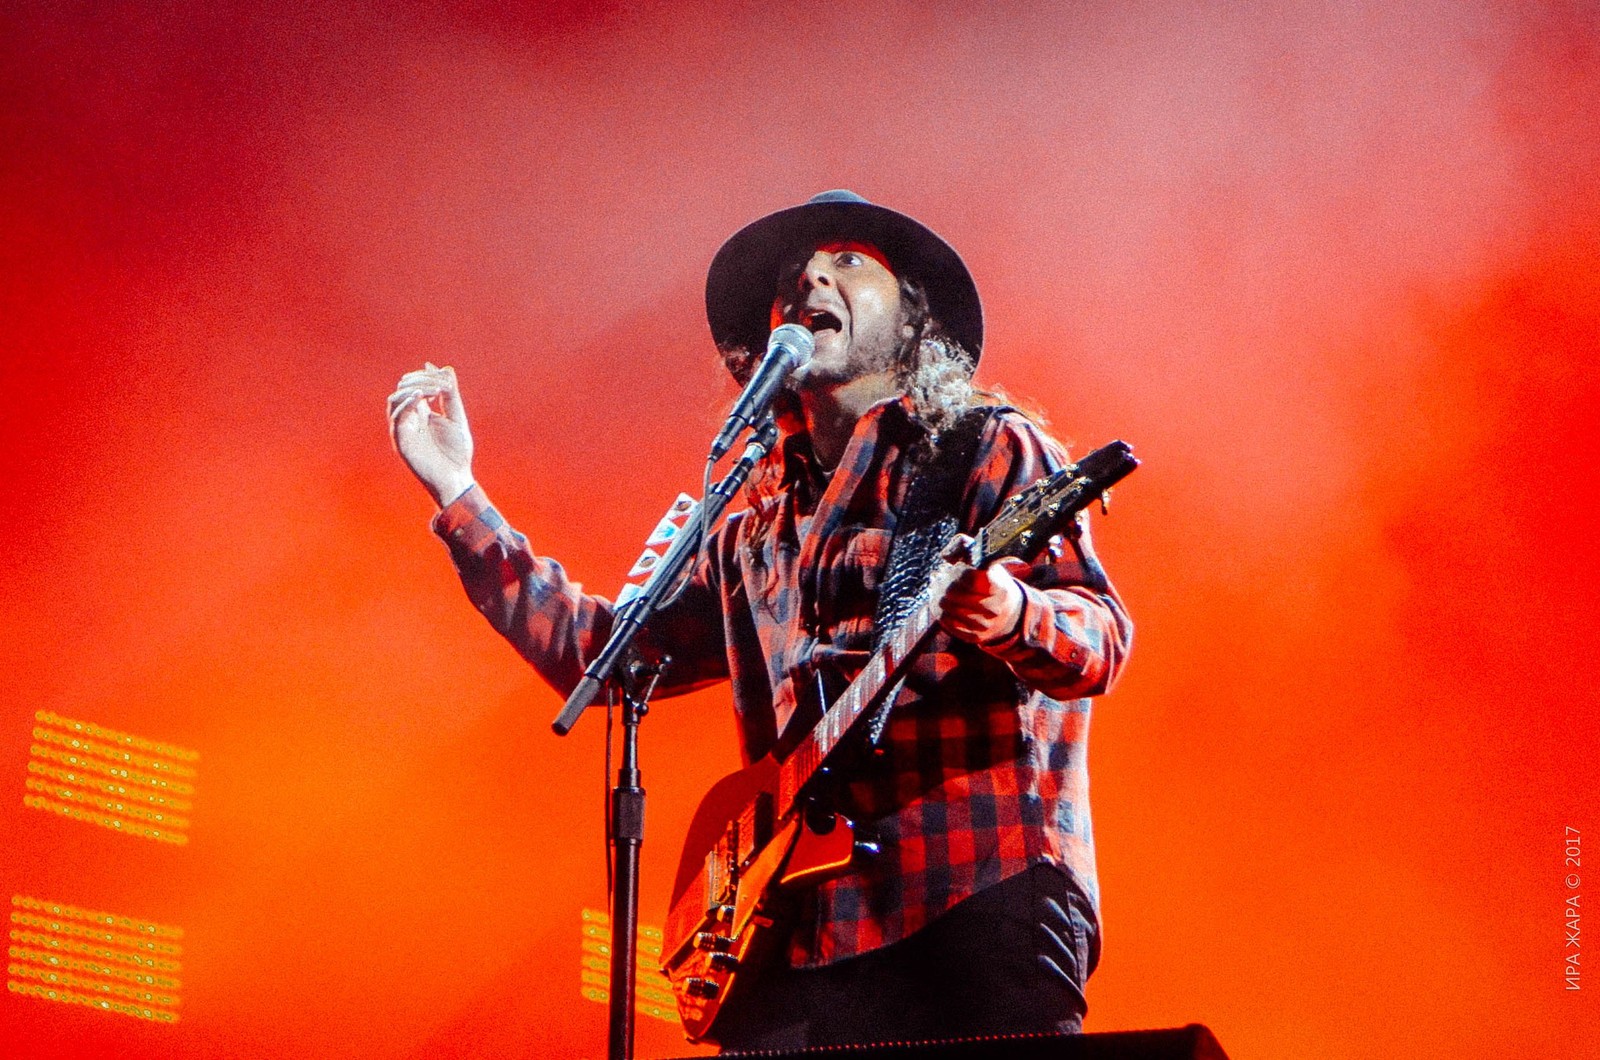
(1011, 959)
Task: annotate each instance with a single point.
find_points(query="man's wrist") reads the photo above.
(1013, 629)
(448, 492)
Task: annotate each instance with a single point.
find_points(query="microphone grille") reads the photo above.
(796, 341)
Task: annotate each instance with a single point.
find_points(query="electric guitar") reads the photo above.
(765, 831)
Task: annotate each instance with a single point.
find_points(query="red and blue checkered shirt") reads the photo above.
(985, 771)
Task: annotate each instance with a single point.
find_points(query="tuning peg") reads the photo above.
(1105, 500)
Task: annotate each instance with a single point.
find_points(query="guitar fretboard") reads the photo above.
(881, 670)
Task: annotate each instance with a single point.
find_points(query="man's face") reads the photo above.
(847, 297)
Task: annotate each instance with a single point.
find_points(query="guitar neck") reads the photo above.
(881, 671)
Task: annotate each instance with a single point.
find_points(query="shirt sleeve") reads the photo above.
(1074, 634)
(554, 624)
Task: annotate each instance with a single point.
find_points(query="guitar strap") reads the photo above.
(940, 469)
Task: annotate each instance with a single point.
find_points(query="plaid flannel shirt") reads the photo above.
(985, 770)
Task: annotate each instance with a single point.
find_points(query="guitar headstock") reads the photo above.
(1045, 508)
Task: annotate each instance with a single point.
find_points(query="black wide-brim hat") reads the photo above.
(744, 275)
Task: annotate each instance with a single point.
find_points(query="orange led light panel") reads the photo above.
(652, 992)
(104, 961)
(118, 781)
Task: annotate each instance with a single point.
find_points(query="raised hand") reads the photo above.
(428, 426)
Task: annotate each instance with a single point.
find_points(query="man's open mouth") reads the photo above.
(819, 320)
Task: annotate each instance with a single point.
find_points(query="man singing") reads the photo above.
(979, 914)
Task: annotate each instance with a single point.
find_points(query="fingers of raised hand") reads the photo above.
(427, 382)
(408, 400)
(430, 376)
(408, 417)
(430, 382)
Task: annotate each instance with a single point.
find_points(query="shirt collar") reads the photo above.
(800, 464)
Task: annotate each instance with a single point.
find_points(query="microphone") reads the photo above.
(788, 350)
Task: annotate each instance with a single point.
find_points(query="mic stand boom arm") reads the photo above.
(631, 617)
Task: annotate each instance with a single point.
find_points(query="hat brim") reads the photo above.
(742, 280)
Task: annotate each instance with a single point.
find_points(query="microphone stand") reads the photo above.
(637, 681)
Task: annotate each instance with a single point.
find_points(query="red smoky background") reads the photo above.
(1332, 268)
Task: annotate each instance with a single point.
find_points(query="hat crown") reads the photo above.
(836, 195)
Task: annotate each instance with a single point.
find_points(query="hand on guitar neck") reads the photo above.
(980, 605)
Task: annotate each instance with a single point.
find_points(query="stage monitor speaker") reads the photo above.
(1193, 1042)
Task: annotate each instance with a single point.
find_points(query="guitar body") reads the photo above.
(760, 833)
(733, 895)
(718, 809)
